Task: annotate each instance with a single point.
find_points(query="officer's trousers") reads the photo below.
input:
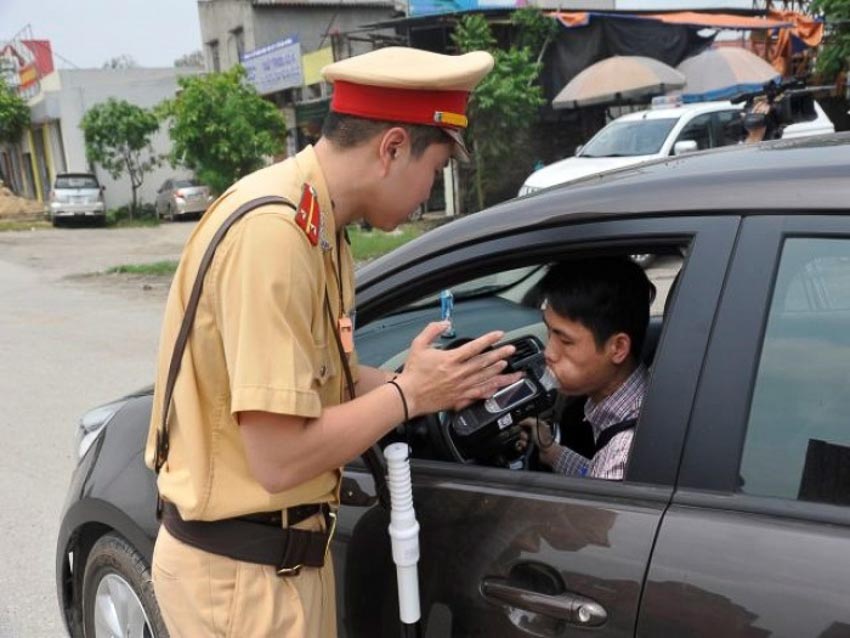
(203, 594)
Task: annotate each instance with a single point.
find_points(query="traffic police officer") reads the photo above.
(249, 449)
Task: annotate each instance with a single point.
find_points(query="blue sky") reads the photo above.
(89, 32)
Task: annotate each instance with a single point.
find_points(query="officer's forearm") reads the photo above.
(369, 378)
(284, 451)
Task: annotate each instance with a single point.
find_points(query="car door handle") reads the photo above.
(570, 607)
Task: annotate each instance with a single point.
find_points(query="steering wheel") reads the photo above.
(551, 432)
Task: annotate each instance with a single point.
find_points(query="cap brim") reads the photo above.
(460, 151)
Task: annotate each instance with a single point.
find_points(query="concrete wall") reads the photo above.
(219, 19)
(313, 23)
(263, 25)
(79, 90)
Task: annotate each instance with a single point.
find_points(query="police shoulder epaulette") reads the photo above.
(308, 215)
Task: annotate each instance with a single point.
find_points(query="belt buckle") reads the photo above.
(289, 571)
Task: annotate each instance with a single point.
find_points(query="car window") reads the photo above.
(729, 127)
(76, 181)
(798, 438)
(698, 130)
(635, 137)
(185, 183)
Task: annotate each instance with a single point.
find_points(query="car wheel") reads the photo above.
(118, 598)
(644, 260)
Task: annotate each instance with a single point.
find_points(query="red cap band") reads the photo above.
(412, 106)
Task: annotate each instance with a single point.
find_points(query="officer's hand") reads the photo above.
(435, 380)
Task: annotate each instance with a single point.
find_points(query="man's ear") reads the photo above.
(392, 145)
(619, 347)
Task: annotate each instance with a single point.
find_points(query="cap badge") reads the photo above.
(308, 216)
(452, 119)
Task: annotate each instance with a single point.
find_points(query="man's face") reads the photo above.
(581, 367)
(407, 184)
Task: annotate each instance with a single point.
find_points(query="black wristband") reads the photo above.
(393, 383)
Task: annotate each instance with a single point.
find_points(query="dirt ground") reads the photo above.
(13, 207)
(79, 255)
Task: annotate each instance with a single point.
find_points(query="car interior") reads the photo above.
(487, 433)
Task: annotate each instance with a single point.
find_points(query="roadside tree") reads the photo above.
(118, 137)
(123, 61)
(834, 56)
(195, 59)
(14, 115)
(506, 104)
(221, 128)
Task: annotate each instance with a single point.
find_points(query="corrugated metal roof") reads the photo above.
(322, 3)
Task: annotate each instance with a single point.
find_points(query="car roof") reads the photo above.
(676, 112)
(806, 174)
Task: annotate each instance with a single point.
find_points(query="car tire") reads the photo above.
(118, 597)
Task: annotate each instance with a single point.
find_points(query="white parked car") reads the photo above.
(661, 131)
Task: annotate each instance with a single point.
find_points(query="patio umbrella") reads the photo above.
(720, 74)
(618, 79)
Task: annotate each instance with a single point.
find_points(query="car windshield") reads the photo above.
(185, 183)
(624, 139)
(76, 181)
(486, 285)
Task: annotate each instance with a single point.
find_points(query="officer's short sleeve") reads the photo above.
(264, 290)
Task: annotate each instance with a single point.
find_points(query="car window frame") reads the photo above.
(711, 241)
(718, 128)
(710, 126)
(715, 441)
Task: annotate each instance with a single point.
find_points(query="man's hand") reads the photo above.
(548, 451)
(435, 380)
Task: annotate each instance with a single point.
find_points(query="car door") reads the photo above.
(517, 553)
(697, 130)
(757, 539)
(728, 127)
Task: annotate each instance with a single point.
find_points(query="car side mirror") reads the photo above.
(102, 188)
(578, 149)
(685, 146)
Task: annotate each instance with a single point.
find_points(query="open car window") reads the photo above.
(507, 300)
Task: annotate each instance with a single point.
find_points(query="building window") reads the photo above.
(239, 40)
(215, 60)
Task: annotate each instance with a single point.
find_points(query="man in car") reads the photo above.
(264, 413)
(596, 312)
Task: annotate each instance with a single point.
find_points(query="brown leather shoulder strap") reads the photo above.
(191, 310)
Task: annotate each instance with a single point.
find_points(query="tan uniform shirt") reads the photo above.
(262, 340)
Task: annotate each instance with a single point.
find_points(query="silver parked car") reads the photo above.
(182, 197)
(76, 196)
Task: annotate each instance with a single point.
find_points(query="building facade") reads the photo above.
(55, 143)
(283, 45)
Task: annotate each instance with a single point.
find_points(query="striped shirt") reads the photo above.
(610, 462)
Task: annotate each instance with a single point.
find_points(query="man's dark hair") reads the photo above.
(606, 295)
(349, 131)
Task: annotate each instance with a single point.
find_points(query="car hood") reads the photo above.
(575, 167)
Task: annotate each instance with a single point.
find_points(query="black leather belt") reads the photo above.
(256, 538)
(294, 515)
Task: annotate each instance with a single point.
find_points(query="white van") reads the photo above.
(657, 132)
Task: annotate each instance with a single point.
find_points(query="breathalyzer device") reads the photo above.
(447, 304)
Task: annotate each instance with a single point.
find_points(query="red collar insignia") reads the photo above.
(308, 216)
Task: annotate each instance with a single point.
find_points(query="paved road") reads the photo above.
(66, 345)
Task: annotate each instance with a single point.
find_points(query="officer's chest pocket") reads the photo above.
(324, 363)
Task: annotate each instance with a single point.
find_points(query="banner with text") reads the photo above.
(275, 67)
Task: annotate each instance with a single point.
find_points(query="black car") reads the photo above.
(734, 515)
